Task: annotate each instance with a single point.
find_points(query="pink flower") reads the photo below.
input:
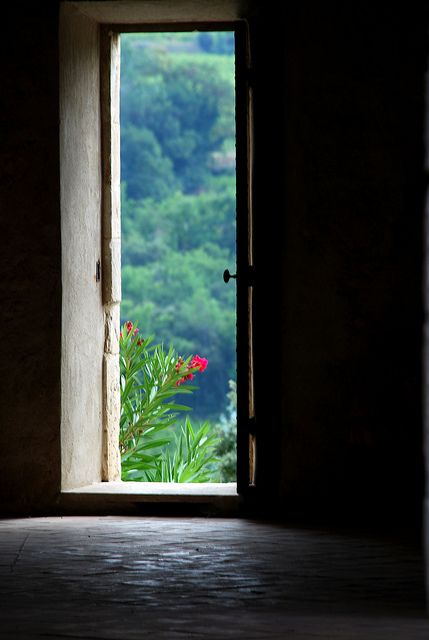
(187, 376)
(179, 365)
(129, 327)
(196, 363)
(199, 362)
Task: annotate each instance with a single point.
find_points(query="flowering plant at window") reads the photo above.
(153, 446)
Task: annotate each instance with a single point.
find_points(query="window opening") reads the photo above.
(178, 234)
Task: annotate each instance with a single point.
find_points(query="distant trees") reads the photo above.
(178, 199)
(175, 112)
(216, 42)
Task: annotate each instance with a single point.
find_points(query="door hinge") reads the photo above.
(250, 76)
(250, 275)
(252, 426)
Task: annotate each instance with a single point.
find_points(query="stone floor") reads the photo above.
(120, 578)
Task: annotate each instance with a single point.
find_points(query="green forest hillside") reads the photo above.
(178, 199)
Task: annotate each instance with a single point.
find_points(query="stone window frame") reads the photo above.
(90, 212)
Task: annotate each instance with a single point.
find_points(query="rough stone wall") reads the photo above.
(82, 308)
(30, 258)
(351, 259)
(425, 366)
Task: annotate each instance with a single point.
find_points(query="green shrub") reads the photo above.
(226, 431)
(151, 378)
(190, 459)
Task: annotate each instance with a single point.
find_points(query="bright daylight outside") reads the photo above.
(178, 208)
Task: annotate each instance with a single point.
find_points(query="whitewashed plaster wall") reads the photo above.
(83, 316)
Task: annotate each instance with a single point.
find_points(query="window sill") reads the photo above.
(204, 489)
(114, 497)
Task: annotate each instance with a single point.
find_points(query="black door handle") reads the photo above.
(227, 275)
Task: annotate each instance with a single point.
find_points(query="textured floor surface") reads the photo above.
(120, 578)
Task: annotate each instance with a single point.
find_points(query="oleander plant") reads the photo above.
(157, 441)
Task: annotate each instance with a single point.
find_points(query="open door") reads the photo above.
(245, 277)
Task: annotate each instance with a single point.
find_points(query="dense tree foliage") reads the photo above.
(178, 198)
(176, 110)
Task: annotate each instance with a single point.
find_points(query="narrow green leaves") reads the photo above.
(150, 380)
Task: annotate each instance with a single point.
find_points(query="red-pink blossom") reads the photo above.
(199, 362)
(188, 376)
(196, 363)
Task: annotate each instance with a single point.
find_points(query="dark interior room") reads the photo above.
(327, 535)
